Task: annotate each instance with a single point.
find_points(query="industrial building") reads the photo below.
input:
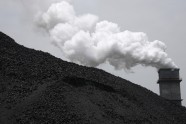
(169, 84)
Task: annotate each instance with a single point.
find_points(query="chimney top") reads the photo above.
(168, 69)
(169, 73)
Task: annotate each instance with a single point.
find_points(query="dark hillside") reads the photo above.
(37, 88)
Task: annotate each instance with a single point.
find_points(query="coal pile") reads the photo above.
(37, 88)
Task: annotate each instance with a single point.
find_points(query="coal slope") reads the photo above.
(37, 88)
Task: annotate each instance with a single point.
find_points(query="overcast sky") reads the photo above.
(163, 20)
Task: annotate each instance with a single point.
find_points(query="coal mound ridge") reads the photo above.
(37, 88)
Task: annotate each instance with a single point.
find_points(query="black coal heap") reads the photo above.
(37, 88)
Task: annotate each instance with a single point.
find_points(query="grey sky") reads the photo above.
(160, 20)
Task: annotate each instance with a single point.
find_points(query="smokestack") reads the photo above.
(169, 84)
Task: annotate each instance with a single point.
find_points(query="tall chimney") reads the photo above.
(169, 84)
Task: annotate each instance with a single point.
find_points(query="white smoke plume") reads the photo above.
(85, 40)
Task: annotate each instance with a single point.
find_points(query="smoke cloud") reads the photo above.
(85, 40)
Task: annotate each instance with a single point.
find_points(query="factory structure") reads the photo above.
(169, 84)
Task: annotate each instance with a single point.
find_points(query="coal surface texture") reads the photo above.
(37, 88)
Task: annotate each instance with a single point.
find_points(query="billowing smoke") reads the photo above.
(85, 40)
